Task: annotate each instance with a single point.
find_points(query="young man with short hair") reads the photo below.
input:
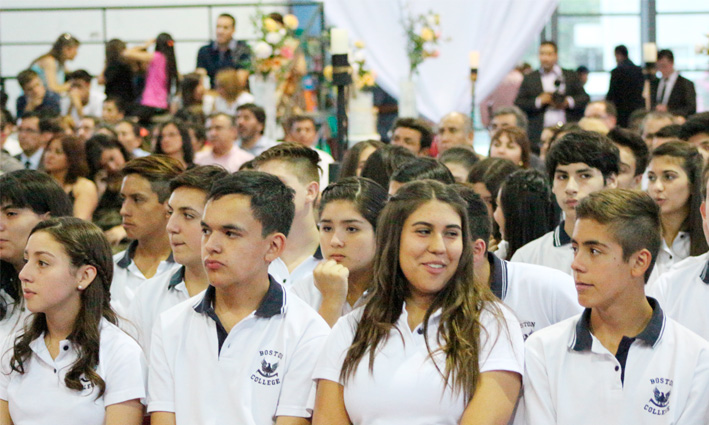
(634, 157)
(81, 100)
(604, 111)
(250, 124)
(304, 131)
(297, 166)
(684, 289)
(413, 134)
(540, 296)
(86, 127)
(244, 351)
(224, 52)
(221, 133)
(621, 358)
(185, 206)
(145, 191)
(580, 163)
(113, 110)
(696, 131)
(36, 97)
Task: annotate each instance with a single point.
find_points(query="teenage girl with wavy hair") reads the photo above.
(71, 363)
(50, 66)
(431, 345)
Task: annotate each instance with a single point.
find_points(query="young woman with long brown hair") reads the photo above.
(431, 345)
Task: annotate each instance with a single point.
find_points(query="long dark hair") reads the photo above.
(85, 244)
(351, 160)
(166, 45)
(57, 51)
(75, 153)
(367, 196)
(461, 300)
(187, 152)
(114, 51)
(692, 164)
(528, 207)
(96, 145)
(187, 87)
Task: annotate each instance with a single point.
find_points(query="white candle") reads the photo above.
(338, 41)
(650, 52)
(474, 57)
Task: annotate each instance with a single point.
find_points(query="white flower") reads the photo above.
(282, 31)
(262, 50)
(273, 38)
(359, 56)
(431, 20)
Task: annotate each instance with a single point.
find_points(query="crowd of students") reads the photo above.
(422, 284)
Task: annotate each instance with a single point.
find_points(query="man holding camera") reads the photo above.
(550, 95)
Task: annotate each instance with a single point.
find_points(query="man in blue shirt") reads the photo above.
(36, 97)
(224, 52)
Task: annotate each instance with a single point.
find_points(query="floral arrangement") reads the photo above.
(423, 35)
(703, 49)
(362, 77)
(275, 48)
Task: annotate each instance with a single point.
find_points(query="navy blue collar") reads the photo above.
(705, 274)
(177, 278)
(651, 334)
(560, 236)
(272, 303)
(498, 276)
(125, 261)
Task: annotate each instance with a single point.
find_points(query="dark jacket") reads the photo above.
(683, 98)
(626, 90)
(532, 87)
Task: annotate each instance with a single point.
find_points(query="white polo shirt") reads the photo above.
(40, 396)
(127, 278)
(551, 250)
(659, 377)
(260, 370)
(403, 366)
(539, 296)
(670, 255)
(279, 270)
(156, 295)
(684, 293)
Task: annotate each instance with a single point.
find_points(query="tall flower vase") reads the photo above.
(407, 99)
(264, 91)
(362, 117)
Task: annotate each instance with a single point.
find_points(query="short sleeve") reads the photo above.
(501, 341)
(297, 391)
(161, 381)
(125, 368)
(338, 342)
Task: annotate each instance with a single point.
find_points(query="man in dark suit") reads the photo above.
(626, 87)
(672, 93)
(550, 95)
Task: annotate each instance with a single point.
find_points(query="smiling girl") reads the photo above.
(71, 364)
(428, 330)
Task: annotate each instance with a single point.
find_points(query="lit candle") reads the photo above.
(474, 57)
(650, 52)
(338, 41)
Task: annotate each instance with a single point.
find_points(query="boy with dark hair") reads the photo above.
(81, 100)
(145, 191)
(684, 289)
(297, 166)
(696, 131)
(302, 129)
(539, 296)
(634, 157)
(185, 206)
(621, 356)
(413, 134)
(36, 97)
(113, 111)
(580, 163)
(420, 169)
(243, 352)
(29, 137)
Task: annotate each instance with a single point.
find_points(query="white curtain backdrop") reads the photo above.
(500, 29)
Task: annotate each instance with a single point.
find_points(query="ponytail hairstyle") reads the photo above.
(461, 300)
(166, 45)
(85, 244)
(65, 40)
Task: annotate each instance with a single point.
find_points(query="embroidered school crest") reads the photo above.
(86, 383)
(267, 373)
(659, 403)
